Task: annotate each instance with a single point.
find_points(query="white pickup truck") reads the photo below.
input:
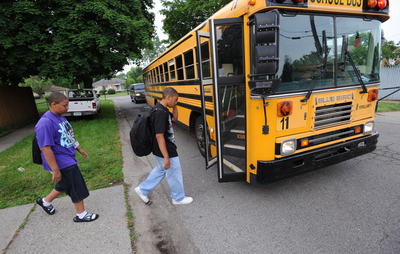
(82, 102)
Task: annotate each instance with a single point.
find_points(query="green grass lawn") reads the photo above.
(114, 95)
(98, 137)
(388, 106)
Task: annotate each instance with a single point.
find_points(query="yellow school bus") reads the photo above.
(275, 88)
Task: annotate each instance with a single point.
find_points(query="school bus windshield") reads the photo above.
(307, 51)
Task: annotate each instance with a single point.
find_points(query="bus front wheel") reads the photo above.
(199, 132)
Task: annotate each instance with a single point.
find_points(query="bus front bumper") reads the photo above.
(269, 171)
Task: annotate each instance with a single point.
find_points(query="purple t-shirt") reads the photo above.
(55, 131)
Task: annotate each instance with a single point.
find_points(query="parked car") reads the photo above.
(137, 92)
(82, 102)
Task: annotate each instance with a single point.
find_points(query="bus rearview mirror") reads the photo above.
(266, 24)
(266, 60)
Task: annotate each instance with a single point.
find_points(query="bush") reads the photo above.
(102, 92)
(47, 98)
(111, 91)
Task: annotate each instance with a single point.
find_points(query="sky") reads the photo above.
(390, 27)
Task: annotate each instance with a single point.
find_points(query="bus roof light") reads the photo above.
(372, 3)
(373, 95)
(252, 2)
(297, 1)
(382, 4)
(285, 108)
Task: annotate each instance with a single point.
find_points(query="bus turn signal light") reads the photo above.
(285, 108)
(373, 95)
(357, 130)
(304, 143)
(372, 3)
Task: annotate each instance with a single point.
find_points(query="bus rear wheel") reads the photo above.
(199, 132)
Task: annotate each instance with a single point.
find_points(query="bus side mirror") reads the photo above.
(265, 25)
(266, 60)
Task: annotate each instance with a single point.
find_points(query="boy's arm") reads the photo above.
(51, 160)
(163, 148)
(174, 114)
(81, 151)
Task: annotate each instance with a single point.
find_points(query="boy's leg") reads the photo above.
(52, 195)
(155, 177)
(80, 207)
(175, 179)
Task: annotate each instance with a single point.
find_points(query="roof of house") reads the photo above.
(54, 88)
(109, 82)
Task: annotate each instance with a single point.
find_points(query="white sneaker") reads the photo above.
(143, 197)
(184, 201)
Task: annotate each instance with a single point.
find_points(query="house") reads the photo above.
(49, 90)
(105, 84)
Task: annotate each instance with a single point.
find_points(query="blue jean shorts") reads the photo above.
(72, 184)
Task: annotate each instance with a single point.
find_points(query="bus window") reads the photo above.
(230, 59)
(156, 75)
(189, 64)
(179, 67)
(151, 77)
(361, 38)
(205, 60)
(172, 69)
(166, 72)
(307, 52)
(161, 73)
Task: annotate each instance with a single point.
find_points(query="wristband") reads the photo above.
(76, 144)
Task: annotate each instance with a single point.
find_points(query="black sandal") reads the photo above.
(48, 209)
(87, 218)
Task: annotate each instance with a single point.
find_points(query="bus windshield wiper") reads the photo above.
(323, 64)
(347, 53)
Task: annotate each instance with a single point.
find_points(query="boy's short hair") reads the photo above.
(57, 97)
(169, 91)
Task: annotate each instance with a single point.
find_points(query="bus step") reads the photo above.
(235, 148)
(234, 163)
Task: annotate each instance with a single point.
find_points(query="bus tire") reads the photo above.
(199, 134)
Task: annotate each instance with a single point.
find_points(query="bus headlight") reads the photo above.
(368, 127)
(288, 146)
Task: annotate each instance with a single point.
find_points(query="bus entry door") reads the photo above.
(228, 78)
(204, 141)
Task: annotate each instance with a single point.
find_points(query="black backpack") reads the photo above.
(142, 134)
(36, 153)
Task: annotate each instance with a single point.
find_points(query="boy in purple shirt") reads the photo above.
(57, 142)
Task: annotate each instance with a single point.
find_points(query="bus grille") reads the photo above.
(332, 115)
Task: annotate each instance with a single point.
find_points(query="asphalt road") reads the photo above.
(351, 207)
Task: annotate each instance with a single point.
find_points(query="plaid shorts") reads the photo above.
(72, 184)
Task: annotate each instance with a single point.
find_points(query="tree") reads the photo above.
(38, 85)
(135, 72)
(390, 53)
(134, 76)
(121, 76)
(72, 39)
(149, 54)
(182, 16)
